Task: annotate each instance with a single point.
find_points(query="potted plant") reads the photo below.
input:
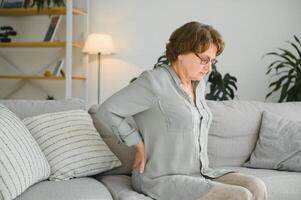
(8, 32)
(287, 71)
(221, 88)
(50, 3)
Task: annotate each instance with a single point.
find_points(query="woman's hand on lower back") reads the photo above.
(139, 161)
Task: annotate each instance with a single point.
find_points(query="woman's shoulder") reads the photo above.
(154, 79)
(156, 74)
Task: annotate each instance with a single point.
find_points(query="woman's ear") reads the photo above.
(180, 57)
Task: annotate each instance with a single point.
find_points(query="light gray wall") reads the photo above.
(140, 30)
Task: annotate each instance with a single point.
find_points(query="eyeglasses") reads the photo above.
(205, 59)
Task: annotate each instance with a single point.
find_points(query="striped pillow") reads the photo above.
(22, 162)
(71, 144)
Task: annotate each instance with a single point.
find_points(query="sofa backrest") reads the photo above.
(235, 128)
(232, 135)
(29, 108)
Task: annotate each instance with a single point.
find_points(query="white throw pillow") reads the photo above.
(71, 144)
(22, 162)
(279, 144)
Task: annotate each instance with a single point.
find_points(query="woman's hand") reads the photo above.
(139, 159)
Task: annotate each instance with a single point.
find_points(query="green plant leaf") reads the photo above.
(48, 3)
(296, 48)
(288, 54)
(292, 93)
(280, 73)
(277, 84)
(230, 92)
(288, 68)
(280, 80)
(273, 63)
(281, 56)
(297, 40)
(223, 87)
(281, 66)
(41, 3)
(162, 60)
(233, 85)
(285, 86)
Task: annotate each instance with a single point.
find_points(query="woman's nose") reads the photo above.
(208, 67)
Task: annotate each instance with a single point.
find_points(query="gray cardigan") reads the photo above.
(173, 129)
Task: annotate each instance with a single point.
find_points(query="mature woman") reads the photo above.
(172, 122)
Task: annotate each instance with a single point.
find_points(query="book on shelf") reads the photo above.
(12, 3)
(52, 28)
(62, 73)
(58, 67)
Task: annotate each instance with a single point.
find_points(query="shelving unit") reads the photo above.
(39, 77)
(33, 11)
(56, 44)
(69, 11)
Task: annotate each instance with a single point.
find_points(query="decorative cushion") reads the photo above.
(231, 144)
(24, 108)
(71, 144)
(22, 162)
(279, 144)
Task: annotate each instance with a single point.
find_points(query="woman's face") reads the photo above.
(197, 65)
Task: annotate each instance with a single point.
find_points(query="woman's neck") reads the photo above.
(186, 83)
(183, 76)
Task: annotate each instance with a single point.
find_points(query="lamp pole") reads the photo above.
(100, 44)
(98, 99)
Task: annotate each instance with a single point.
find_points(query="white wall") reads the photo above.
(140, 30)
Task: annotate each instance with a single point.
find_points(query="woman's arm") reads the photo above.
(114, 113)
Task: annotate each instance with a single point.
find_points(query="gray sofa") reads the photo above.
(232, 138)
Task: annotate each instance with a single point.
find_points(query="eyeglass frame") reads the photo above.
(204, 62)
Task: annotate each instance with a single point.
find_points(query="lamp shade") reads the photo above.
(99, 43)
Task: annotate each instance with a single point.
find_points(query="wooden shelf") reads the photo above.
(39, 77)
(38, 44)
(34, 11)
(69, 12)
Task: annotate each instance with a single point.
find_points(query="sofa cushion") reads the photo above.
(75, 189)
(29, 108)
(22, 162)
(71, 144)
(280, 184)
(288, 110)
(121, 188)
(279, 144)
(125, 153)
(233, 132)
(235, 128)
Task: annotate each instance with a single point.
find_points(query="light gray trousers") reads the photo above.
(237, 186)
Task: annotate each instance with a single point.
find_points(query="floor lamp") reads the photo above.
(99, 44)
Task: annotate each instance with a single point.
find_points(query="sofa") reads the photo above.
(232, 138)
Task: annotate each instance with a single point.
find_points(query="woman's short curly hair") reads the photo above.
(193, 37)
